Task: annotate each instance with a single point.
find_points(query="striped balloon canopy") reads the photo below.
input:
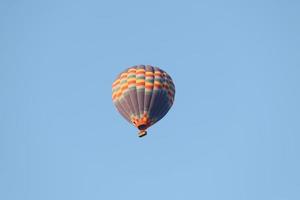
(143, 95)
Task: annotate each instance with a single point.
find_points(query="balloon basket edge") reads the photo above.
(142, 133)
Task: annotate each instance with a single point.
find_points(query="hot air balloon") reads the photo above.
(143, 95)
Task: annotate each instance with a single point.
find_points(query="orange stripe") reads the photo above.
(148, 87)
(139, 73)
(131, 82)
(140, 84)
(140, 70)
(157, 85)
(124, 75)
(123, 89)
(124, 86)
(116, 82)
(119, 94)
(147, 83)
(148, 75)
(131, 70)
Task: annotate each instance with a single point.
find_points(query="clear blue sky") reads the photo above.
(232, 134)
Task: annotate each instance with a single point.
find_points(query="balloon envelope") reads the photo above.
(143, 95)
